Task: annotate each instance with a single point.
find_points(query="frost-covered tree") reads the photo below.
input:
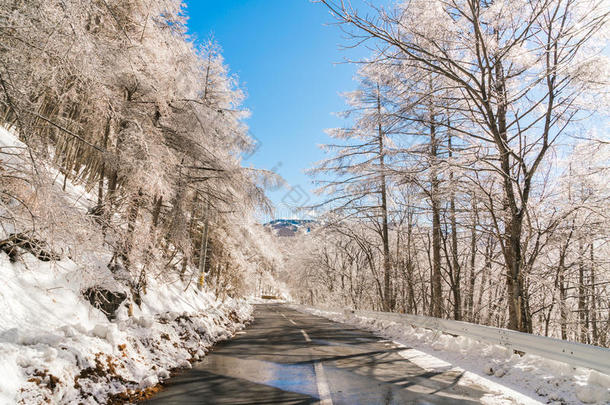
(521, 74)
(358, 184)
(118, 99)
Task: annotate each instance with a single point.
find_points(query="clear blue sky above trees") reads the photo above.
(288, 57)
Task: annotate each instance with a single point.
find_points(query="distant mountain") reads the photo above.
(290, 227)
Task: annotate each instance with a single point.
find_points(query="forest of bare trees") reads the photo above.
(115, 98)
(471, 181)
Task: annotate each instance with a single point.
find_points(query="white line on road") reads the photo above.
(323, 389)
(289, 320)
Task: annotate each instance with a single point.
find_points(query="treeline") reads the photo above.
(471, 181)
(114, 96)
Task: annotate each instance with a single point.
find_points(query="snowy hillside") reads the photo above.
(55, 347)
(60, 344)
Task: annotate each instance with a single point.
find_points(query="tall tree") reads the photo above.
(359, 164)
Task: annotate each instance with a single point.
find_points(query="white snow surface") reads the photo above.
(57, 348)
(509, 378)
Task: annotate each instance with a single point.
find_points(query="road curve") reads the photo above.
(288, 357)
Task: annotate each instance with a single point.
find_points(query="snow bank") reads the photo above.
(57, 348)
(509, 377)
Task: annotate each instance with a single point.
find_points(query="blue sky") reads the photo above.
(285, 53)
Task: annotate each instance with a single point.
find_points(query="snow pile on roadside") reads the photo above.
(55, 347)
(528, 378)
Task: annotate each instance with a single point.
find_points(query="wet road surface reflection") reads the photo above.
(272, 363)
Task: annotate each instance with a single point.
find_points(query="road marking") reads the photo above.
(323, 389)
(288, 319)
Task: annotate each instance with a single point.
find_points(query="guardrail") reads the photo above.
(575, 354)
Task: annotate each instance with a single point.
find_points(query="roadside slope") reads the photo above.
(57, 348)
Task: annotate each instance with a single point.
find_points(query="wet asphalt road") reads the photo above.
(288, 357)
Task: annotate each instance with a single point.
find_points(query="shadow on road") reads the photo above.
(274, 362)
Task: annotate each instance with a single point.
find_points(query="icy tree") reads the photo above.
(115, 97)
(520, 75)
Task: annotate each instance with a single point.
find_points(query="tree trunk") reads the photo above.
(582, 299)
(158, 203)
(473, 252)
(561, 285)
(593, 298)
(203, 252)
(436, 299)
(100, 187)
(513, 256)
(455, 267)
(132, 217)
(388, 301)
